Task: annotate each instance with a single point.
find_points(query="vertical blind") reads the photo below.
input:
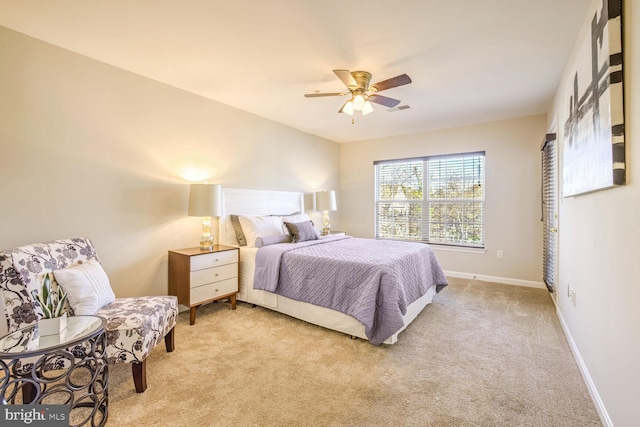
(549, 210)
(438, 199)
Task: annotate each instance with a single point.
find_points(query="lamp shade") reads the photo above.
(326, 201)
(348, 108)
(358, 102)
(205, 200)
(368, 108)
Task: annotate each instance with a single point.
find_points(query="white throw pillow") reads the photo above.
(87, 287)
(263, 241)
(260, 226)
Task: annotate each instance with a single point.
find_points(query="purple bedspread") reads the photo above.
(373, 281)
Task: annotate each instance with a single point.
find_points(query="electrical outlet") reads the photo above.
(499, 255)
(573, 297)
(571, 294)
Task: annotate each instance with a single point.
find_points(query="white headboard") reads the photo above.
(255, 202)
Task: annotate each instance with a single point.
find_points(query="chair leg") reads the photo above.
(139, 370)
(169, 341)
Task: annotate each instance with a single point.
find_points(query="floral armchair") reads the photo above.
(134, 325)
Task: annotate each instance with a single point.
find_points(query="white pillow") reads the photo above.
(87, 287)
(260, 226)
(272, 240)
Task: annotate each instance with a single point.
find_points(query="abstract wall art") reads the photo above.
(594, 145)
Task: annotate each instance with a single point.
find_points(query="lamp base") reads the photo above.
(206, 239)
(206, 247)
(326, 227)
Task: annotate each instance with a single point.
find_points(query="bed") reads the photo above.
(371, 326)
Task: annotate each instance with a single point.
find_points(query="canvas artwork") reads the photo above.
(594, 151)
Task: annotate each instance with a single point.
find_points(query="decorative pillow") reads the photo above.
(302, 231)
(237, 228)
(294, 218)
(260, 226)
(272, 240)
(87, 287)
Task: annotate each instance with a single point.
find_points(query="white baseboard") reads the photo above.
(595, 396)
(496, 279)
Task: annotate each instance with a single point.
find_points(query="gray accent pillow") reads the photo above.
(237, 228)
(302, 231)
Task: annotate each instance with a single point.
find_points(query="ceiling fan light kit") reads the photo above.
(348, 108)
(363, 94)
(367, 108)
(358, 102)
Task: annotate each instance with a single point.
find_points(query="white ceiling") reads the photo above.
(470, 61)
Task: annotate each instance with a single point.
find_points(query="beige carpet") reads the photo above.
(482, 354)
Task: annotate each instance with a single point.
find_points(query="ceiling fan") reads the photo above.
(362, 93)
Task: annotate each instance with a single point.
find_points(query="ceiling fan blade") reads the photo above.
(314, 95)
(384, 100)
(347, 78)
(396, 81)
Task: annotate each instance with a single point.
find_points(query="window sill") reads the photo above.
(458, 249)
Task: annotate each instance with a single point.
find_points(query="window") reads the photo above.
(549, 210)
(437, 200)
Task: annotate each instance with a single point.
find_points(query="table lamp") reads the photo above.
(205, 200)
(325, 202)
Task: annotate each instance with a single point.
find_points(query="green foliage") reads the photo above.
(51, 300)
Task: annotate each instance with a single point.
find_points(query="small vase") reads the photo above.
(52, 326)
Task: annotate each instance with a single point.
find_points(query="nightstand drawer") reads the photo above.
(213, 260)
(213, 290)
(210, 275)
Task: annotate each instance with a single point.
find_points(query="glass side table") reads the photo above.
(69, 368)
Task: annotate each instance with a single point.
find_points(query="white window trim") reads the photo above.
(466, 249)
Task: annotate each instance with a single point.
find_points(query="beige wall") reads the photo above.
(512, 191)
(87, 149)
(599, 238)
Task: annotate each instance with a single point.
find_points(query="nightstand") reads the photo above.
(338, 233)
(197, 277)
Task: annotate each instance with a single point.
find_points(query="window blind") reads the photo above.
(549, 210)
(437, 199)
